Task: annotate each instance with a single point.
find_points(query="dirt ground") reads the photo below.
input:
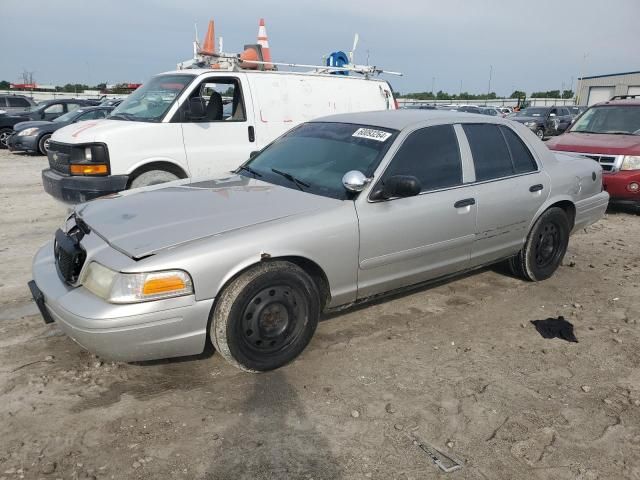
(458, 366)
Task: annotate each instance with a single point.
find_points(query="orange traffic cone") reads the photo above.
(263, 41)
(209, 45)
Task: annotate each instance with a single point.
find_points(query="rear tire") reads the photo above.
(43, 144)
(545, 247)
(5, 133)
(152, 177)
(266, 317)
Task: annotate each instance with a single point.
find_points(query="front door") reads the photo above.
(409, 240)
(510, 189)
(224, 138)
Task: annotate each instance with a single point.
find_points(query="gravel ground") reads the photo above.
(458, 366)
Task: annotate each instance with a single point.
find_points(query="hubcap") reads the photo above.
(45, 145)
(273, 319)
(547, 246)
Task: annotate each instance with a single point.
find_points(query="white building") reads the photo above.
(600, 88)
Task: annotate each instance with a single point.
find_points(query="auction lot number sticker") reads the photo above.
(371, 134)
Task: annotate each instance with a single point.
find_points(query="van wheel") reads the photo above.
(43, 144)
(266, 317)
(152, 177)
(545, 247)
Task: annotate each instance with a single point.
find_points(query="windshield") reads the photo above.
(614, 119)
(533, 112)
(315, 156)
(150, 102)
(68, 117)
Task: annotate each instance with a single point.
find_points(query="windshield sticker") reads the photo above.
(371, 134)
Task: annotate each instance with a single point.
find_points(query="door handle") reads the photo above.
(536, 188)
(465, 203)
(252, 134)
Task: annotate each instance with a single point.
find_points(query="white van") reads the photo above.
(194, 123)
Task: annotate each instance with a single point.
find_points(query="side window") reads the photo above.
(72, 106)
(490, 153)
(430, 154)
(523, 161)
(92, 115)
(55, 108)
(17, 102)
(565, 111)
(223, 102)
(3, 102)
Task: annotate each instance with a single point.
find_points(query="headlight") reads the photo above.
(630, 162)
(530, 124)
(117, 287)
(27, 132)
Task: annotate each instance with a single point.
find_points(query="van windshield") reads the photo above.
(314, 157)
(151, 101)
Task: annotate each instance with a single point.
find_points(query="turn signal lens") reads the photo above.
(95, 169)
(154, 286)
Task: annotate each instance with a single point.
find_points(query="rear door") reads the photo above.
(404, 241)
(510, 188)
(224, 138)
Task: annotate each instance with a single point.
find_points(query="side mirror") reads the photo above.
(253, 154)
(197, 108)
(355, 181)
(399, 186)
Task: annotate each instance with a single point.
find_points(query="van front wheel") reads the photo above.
(152, 177)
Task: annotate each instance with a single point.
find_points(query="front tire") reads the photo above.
(43, 144)
(545, 247)
(153, 177)
(265, 317)
(5, 133)
(540, 133)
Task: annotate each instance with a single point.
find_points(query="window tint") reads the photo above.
(523, 161)
(430, 154)
(490, 153)
(17, 102)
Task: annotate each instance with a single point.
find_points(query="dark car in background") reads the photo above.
(15, 103)
(544, 121)
(49, 110)
(33, 136)
(576, 110)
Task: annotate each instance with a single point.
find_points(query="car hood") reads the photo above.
(30, 124)
(596, 143)
(98, 130)
(527, 119)
(142, 222)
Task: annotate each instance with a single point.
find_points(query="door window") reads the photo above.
(497, 152)
(56, 108)
(431, 155)
(91, 115)
(72, 106)
(17, 102)
(223, 102)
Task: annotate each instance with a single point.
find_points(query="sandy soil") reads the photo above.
(458, 366)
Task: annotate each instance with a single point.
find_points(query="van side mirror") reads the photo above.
(253, 154)
(397, 186)
(197, 108)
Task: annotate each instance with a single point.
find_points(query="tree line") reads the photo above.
(440, 95)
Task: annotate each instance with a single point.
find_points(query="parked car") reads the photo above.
(48, 110)
(11, 104)
(335, 212)
(34, 136)
(469, 109)
(111, 102)
(177, 125)
(491, 111)
(544, 121)
(609, 133)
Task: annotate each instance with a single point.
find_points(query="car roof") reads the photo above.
(401, 119)
(625, 101)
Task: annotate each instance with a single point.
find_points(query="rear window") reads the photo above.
(18, 102)
(497, 152)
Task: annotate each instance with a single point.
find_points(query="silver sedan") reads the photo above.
(333, 213)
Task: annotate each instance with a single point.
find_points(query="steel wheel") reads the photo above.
(547, 245)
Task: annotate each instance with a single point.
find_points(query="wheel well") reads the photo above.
(569, 209)
(165, 166)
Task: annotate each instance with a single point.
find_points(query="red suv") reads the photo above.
(609, 133)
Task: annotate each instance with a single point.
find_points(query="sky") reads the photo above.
(526, 45)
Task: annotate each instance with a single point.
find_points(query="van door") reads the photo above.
(223, 138)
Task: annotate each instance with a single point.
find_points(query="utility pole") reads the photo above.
(579, 88)
(433, 87)
(460, 94)
(489, 89)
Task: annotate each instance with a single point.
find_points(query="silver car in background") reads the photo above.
(333, 213)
